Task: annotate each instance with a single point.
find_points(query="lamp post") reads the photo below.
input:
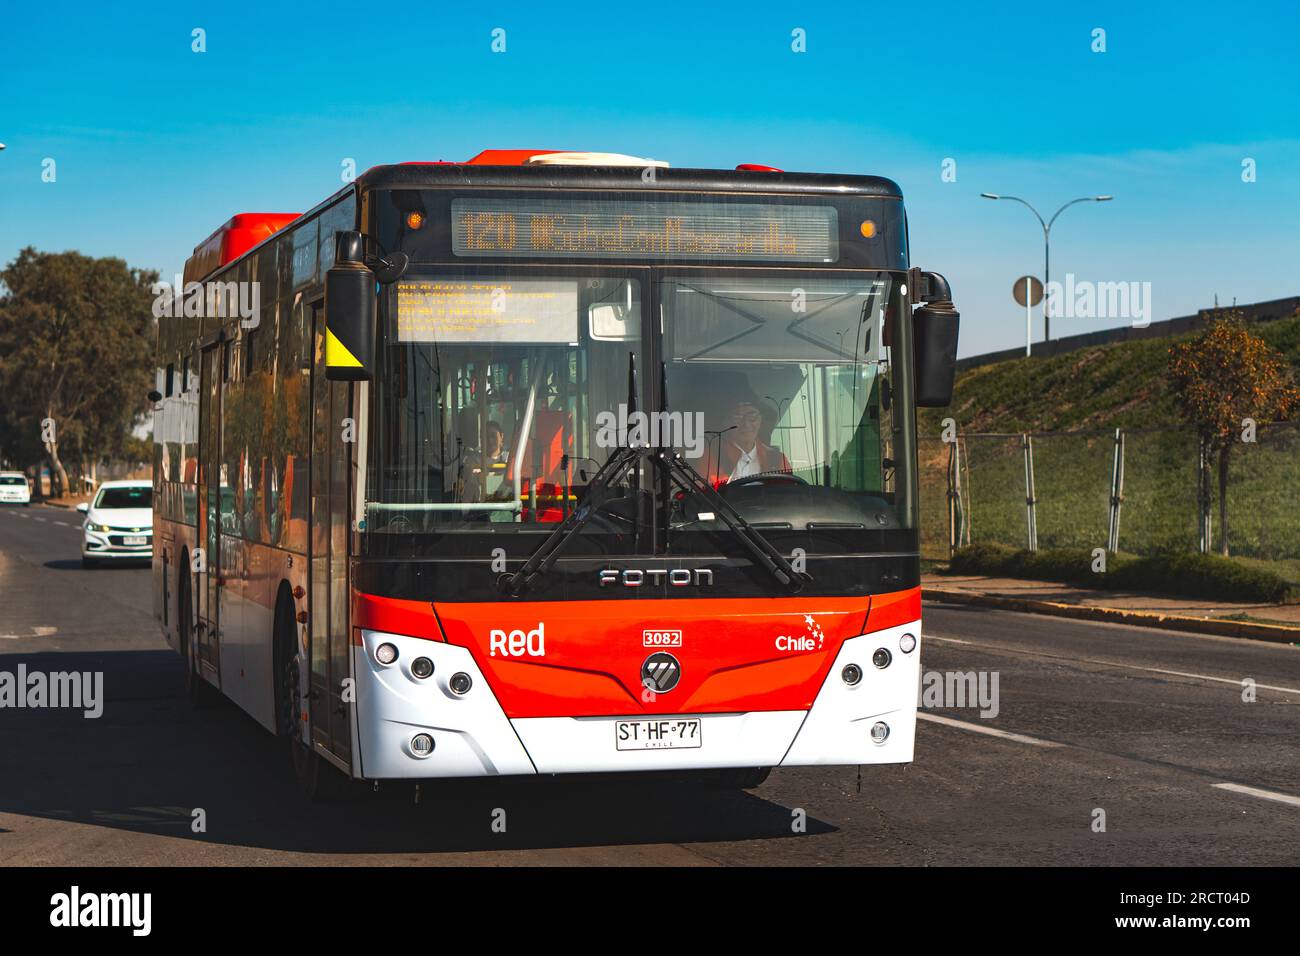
(1047, 244)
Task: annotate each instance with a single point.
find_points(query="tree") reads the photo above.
(76, 339)
(1222, 378)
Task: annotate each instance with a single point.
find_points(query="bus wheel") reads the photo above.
(318, 781)
(751, 778)
(197, 690)
(730, 778)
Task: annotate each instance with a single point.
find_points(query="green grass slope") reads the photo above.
(1085, 394)
(1107, 386)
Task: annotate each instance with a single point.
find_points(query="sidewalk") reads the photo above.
(1269, 622)
(65, 502)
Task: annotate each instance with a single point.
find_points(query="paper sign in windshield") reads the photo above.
(485, 310)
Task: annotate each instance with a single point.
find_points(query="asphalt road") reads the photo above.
(1149, 727)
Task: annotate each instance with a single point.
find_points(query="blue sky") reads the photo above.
(156, 145)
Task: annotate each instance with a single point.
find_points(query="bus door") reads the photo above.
(330, 470)
(207, 577)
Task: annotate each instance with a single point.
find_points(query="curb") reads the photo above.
(1275, 633)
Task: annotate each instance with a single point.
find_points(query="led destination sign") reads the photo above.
(637, 229)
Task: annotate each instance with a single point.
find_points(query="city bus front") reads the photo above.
(637, 489)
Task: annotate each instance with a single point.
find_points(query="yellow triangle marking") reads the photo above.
(337, 354)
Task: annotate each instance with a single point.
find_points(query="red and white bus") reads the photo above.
(552, 462)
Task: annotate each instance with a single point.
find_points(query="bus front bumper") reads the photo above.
(473, 737)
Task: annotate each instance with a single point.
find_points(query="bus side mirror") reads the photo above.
(350, 306)
(934, 337)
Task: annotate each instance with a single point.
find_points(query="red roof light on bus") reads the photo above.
(232, 240)
(759, 168)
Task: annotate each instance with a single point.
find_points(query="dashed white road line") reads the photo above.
(1221, 680)
(1256, 792)
(942, 640)
(40, 631)
(1236, 681)
(1272, 795)
(977, 729)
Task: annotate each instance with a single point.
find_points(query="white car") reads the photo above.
(14, 489)
(119, 523)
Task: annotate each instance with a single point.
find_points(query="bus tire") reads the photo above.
(317, 779)
(730, 778)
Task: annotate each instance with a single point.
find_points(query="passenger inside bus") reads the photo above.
(495, 453)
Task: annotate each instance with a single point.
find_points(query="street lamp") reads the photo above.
(1047, 244)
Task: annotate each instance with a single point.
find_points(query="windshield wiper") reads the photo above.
(599, 490)
(691, 481)
(764, 554)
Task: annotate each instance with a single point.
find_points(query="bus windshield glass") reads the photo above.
(501, 392)
(795, 384)
(489, 390)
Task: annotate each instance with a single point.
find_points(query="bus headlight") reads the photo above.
(879, 732)
(882, 657)
(851, 674)
(421, 745)
(907, 643)
(386, 653)
(422, 667)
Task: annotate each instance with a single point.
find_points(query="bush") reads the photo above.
(1184, 575)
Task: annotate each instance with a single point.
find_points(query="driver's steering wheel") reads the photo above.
(762, 478)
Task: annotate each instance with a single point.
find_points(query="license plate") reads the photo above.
(679, 732)
(131, 539)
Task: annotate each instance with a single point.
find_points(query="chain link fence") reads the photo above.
(1132, 490)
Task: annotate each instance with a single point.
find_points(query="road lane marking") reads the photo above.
(1132, 667)
(977, 729)
(63, 524)
(1256, 792)
(42, 631)
(35, 518)
(942, 640)
(1222, 680)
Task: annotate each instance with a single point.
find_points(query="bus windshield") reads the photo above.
(501, 393)
(798, 393)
